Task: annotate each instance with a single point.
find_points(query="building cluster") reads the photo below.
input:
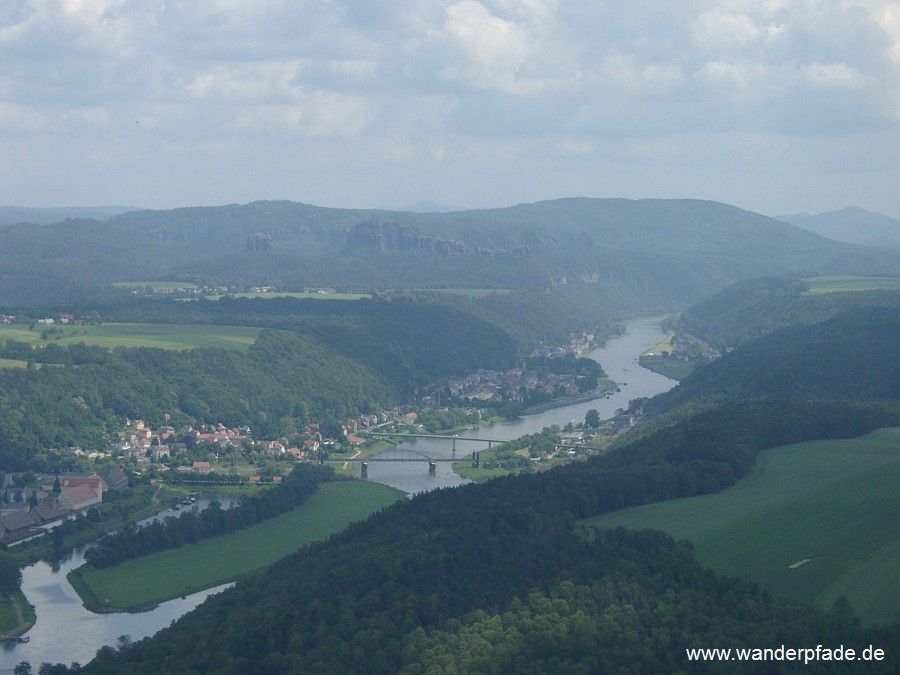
(511, 385)
(28, 512)
(140, 443)
(516, 384)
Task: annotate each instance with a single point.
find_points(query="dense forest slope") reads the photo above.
(316, 361)
(752, 308)
(496, 577)
(853, 355)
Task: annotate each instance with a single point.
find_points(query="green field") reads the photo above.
(164, 336)
(9, 623)
(472, 292)
(155, 285)
(170, 574)
(314, 296)
(836, 284)
(834, 504)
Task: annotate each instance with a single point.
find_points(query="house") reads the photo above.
(202, 467)
(115, 478)
(157, 452)
(18, 526)
(80, 497)
(45, 513)
(94, 481)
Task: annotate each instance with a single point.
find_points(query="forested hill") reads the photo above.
(755, 307)
(498, 578)
(603, 254)
(315, 361)
(853, 355)
(853, 225)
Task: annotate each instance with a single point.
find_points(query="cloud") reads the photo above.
(453, 85)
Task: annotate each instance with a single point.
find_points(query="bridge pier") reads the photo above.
(432, 468)
(363, 469)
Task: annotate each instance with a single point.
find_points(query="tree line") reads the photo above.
(190, 527)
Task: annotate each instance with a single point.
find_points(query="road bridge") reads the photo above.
(396, 454)
(436, 437)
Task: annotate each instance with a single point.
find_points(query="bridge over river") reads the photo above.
(454, 438)
(398, 454)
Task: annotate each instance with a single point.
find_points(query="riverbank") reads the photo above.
(140, 584)
(606, 386)
(16, 616)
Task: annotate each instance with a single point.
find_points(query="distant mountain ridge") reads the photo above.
(10, 215)
(852, 225)
(653, 254)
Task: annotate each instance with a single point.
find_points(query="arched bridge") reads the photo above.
(398, 454)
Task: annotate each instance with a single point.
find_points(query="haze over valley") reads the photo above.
(372, 337)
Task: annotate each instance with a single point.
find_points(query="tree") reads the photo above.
(10, 575)
(592, 419)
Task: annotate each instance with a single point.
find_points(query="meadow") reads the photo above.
(816, 520)
(163, 336)
(835, 284)
(302, 296)
(170, 574)
(472, 292)
(156, 285)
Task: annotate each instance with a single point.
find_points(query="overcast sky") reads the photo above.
(774, 106)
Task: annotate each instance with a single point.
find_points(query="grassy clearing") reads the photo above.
(833, 502)
(155, 285)
(835, 284)
(314, 296)
(473, 292)
(163, 336)
(9, 623)
(663, 346)
(170, 574)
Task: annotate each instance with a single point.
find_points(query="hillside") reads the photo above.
(11, 215)
(497, 577)
(316, 361)
(603, 255)
(755, 307)
(852, 225)
(853, 355)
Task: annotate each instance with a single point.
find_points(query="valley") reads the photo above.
(424, 314)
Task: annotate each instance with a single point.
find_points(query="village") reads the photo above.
(32, 503)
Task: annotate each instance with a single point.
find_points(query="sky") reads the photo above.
(778, 107)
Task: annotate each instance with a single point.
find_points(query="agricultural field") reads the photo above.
(815, 520)
(472, 292)
(156, 285)
(835, 284)
(303, 296)
(163, 336)
(170, 574)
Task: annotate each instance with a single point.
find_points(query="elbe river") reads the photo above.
(65, 632)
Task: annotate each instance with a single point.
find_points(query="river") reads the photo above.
(619, 359)
(65, 632)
